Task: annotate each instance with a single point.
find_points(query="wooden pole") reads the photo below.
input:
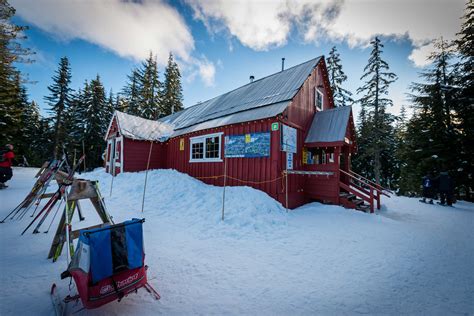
(146, 174)
(225, 181)
(84, 153)
(111, 165)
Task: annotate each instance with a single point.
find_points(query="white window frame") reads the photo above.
(202, 139)
(316, 92)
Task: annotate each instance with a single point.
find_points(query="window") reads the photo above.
(206, 148)
(318, 99)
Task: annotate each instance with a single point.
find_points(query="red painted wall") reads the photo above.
(245, 169)
(135, 155)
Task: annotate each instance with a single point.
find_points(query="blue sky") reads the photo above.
(220, 44)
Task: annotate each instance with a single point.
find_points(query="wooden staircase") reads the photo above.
(360, 193)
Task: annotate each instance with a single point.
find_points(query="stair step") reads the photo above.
(363, 208)
(358, 202)
(347, 196)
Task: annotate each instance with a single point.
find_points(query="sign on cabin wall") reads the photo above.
(275, 126)
(288, 139)
(289, 161)
(247, 146)
(181, 144)
(305, 156)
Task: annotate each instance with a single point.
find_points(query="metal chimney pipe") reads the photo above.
(283, 64)
(251, 79)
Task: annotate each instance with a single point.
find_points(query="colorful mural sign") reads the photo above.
(288, 139)
(247, 146)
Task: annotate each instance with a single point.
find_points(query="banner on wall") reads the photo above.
(288, 139)
(252, 145)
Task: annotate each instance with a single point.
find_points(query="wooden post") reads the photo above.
(225, 180)
(84, 153)
(146, 174)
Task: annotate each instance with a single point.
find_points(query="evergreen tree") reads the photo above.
(59, 100)
(97, 115)
(150, 94)
(378, 129)
(337, 77)
(431, 134)
(464, 105)
(74, 123)
(172, 90)
(12, 93)
(131, 93)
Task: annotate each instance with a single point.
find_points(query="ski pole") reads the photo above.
(15, 209)
(57, 210)
(40, 212)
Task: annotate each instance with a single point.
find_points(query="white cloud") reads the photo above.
(262, 25)
(203, 68)
(207, 71)
(127, 28)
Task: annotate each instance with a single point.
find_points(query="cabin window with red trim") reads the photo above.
(318, 99)
(206, 148)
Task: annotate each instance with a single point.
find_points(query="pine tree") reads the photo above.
(377, 79)
(172, 90)
(59, 100)
(11, 88)
(337, 77)
(464, 105)
(131, 93)
(97, 115)
(150, 94)
(431, 139)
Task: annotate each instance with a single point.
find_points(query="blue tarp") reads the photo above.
(114, 248)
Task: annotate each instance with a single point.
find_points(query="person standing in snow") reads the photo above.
(6, 159)
(428, 188)
(445, 188)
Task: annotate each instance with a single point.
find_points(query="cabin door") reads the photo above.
(118, 159)
(110, 159)
(344, 164)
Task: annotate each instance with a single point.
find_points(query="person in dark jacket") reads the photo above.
(428, 188)
(445, 188)
(6, 161)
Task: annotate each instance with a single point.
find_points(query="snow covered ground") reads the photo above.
(410, 258)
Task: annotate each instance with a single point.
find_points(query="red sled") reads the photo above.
(109, 264)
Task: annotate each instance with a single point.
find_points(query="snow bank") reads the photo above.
(174, 194)
(410, 258)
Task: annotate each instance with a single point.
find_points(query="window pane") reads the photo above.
(318, 99)
(212, 147)
(197, 151)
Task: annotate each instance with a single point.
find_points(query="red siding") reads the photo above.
(113, 130)
(135, 155)
(245, 169)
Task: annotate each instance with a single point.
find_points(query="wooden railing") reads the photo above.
(363, 189)
(381, 188)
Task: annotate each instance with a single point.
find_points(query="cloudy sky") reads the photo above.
(220, 43)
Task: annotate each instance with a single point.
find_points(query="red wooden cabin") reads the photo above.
(280, 134)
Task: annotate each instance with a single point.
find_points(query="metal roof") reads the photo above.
(253, 98)
(135, 127)
(240, 117)
(329, 125)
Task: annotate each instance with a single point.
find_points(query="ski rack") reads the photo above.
(80, 190)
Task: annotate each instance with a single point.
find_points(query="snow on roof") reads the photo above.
(276, 88)
(138, 128)
(329, 125)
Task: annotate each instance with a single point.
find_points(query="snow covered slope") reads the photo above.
(410, 258)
